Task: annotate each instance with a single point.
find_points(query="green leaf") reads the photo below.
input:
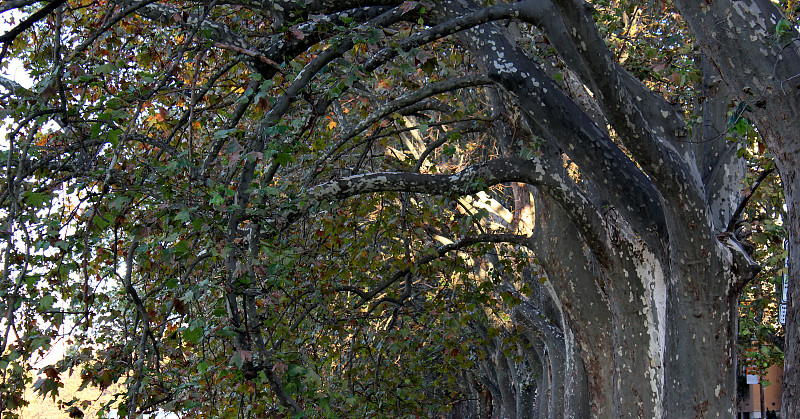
(193, 335)
(35, 199)
(283, 158)
(47, 386)
(223, 133)
(100, 222)
(429, 66)
(783, 30)
(46, 302)
(181, 248)
(240, 357)
(113, 136)
(202, 367)
(183, 215)
(217, 200)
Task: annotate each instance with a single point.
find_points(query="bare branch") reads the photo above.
(395, 105)
(743, 203)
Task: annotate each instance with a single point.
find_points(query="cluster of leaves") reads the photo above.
(153, 214)
(119, 235)
(761, 336)
(651, 41)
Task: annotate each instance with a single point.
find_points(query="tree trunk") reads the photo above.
(533, 358)
(505, 382)
(790, 405)
(656, 263)
(761, 66)
(576, 384)
(701, 353)
(585, 312)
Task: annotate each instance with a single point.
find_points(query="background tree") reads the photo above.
(386, 209)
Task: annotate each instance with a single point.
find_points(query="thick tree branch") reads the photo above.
(448, 27)
(16, 4)
(647, 124)
(286, 7)
(570, 27)
(559, 119)
(471, 180)
(15, 89)
(528, 316)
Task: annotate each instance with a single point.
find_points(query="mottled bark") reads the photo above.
(576, 382)
(528, 404)
(544, 391)
(573, 283)
(650, 286)
(524, 388)
(533, 323)
(762, 68)
(505, 382)
(791, 370)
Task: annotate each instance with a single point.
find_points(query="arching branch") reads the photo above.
(439, 252)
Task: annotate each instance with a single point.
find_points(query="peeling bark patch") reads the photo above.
(701, 409)
(504, 66)
(753, 11)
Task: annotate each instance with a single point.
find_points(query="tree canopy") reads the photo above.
(399, 208)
